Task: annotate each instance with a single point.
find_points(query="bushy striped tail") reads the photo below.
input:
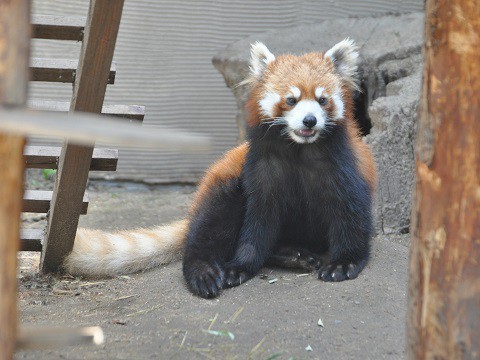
(99, 254)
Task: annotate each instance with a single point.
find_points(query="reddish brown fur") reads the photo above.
(363, 154)
(228, 167)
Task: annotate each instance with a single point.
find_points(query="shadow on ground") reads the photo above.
(276, 315)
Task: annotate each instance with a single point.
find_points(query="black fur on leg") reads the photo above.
(261, 226)
(212, 239)
(350, 225)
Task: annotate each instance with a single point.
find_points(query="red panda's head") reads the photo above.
(303, 94)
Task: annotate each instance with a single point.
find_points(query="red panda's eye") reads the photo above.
(291, 101)
(323, 101)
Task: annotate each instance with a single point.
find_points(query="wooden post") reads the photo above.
(88, 94)
(443, 319)
(14, 45)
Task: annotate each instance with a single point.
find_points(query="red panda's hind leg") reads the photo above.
(296, 258)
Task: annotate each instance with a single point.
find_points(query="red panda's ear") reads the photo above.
(260, 58)
(344, 57)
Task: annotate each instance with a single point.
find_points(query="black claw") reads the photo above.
(340, 271)
(236, 276)
(204, 280)
(219, 282)
(352, 271)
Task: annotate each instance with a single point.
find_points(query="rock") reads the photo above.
(390, 51)
(392, 139)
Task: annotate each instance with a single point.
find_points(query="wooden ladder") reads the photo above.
(89, 76)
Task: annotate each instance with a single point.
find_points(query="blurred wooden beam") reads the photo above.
(132, 112)
(444, 290)
(14, 53)
(51, 338)
(84, 128)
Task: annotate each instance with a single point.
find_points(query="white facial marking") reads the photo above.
(267, 104)
(295, 92)
(319, 92)
(339, 106)
(295, 117)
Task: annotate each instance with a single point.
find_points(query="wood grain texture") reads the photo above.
(444, 290)
(14, 53)
(60, 70)
(88, 94)
(58, 27)
(47, 157)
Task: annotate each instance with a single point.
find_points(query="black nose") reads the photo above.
(310, 121)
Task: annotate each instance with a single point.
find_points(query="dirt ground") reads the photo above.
(276, 315)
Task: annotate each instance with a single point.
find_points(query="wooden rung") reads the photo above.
(58, 27)
(38, 201)
(133, 112)
(46, 157)
(59, 70)
(31, 239)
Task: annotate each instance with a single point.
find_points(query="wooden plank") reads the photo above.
(46, 157)
(444, 290)
(132, 112)
(60, 70)
(14, 54)
(31, 239)
(58, 27)
(38, 201)
(84, 128)
(88, 94)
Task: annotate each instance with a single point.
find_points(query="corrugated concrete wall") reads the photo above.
(164, 53)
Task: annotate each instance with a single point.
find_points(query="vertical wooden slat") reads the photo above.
(88, 95)
(444, 290)
(14, 45)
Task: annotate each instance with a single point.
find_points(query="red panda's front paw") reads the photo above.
(236, 275)
(204, 279)
(340, 271)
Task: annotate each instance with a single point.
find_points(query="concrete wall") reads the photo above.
(164, 53)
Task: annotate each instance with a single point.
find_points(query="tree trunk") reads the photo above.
(14, 45)
(444, 290)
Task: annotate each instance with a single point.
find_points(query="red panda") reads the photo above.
(297, 193)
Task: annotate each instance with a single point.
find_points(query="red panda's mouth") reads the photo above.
(305, 132)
